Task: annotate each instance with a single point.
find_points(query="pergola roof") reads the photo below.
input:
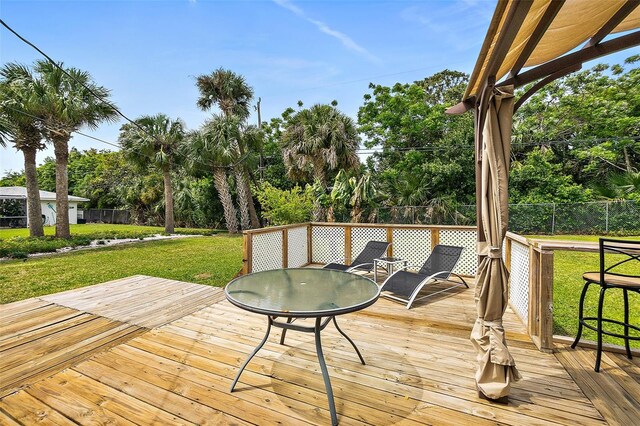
(541, 35)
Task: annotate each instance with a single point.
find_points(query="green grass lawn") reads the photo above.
(100, 228)
(213, 260)
(567, 284)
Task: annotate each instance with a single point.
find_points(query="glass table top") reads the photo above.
(303, 292)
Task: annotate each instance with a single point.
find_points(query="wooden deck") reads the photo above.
(145, 350)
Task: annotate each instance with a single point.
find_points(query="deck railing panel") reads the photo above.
(519, 279)
(327, 243)
(413, 245)
(267, 251)
(361, 236)
(467, 238)
(297, 247)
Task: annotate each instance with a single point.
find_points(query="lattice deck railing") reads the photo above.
(298, 245)
(531, 268)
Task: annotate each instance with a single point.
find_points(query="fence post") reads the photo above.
(309, 244)
(553, 220)
(285, 248)
(347, 245)
(246, 253)
(606, 217)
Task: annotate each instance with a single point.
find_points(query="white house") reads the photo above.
(47, 202)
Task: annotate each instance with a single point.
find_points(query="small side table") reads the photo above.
(388, 263)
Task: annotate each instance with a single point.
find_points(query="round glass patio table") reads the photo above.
(302, 293)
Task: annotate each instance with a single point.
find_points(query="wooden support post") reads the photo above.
(540, 319)
(347, 245)
(285, 248)
(545, 305)
(534, 298)
(390, 241)
(507, 253)
(435, 237)
(247, 243)
(309, 244)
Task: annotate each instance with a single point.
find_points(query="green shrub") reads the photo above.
(283, 207)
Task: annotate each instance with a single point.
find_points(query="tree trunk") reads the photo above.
(243, 197)
(255, 221)
(627, 160)
(222, 186)
(168, 201)
(319, 212)
(34, 208)
(61, 150)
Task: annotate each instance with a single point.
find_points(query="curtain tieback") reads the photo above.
(492, 252)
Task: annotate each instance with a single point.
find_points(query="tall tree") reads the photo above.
(231, 93)
(425, 154)
(21, 127)
(155, 141)
(211, 147)
(316, 141)
(66, 103)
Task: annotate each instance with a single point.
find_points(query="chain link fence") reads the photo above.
(549, 218)
(104, 216)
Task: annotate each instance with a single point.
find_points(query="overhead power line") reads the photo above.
(100, 98)
(432, 148)
(89, 89)
(240, 160)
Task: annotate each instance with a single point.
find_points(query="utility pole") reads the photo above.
(261, 168)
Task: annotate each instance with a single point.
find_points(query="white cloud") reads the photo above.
(346, 41)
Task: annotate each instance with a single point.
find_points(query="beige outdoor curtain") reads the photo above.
(496, 367)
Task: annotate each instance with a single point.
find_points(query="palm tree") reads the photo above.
(66, 103)
(231, 93)
(21, 127)
(620, 186)
(155, 141)
(316, 141)
(210, 147)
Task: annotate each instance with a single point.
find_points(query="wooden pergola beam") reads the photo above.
(546, 20)
(612, 23)
(575, 58)
(540, 84)
(515, 17)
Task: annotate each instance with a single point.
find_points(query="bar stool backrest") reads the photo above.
(619, 257)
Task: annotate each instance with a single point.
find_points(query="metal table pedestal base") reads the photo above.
(319, 326)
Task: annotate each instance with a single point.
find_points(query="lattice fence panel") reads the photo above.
(327, 243)
(468, 263)
(297, 247)
(519, 285)
(361, 236)
(413, 245)
(266, 251)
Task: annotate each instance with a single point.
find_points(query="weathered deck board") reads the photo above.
(622, 404)
(59, 341)
(139, 300)
(147, 350)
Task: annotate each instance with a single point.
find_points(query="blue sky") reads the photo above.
(148, 53)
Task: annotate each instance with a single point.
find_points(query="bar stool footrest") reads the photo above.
(609, 333)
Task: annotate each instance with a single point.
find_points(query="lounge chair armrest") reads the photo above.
(360, 265)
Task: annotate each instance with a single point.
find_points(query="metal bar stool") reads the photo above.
(619, 268)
